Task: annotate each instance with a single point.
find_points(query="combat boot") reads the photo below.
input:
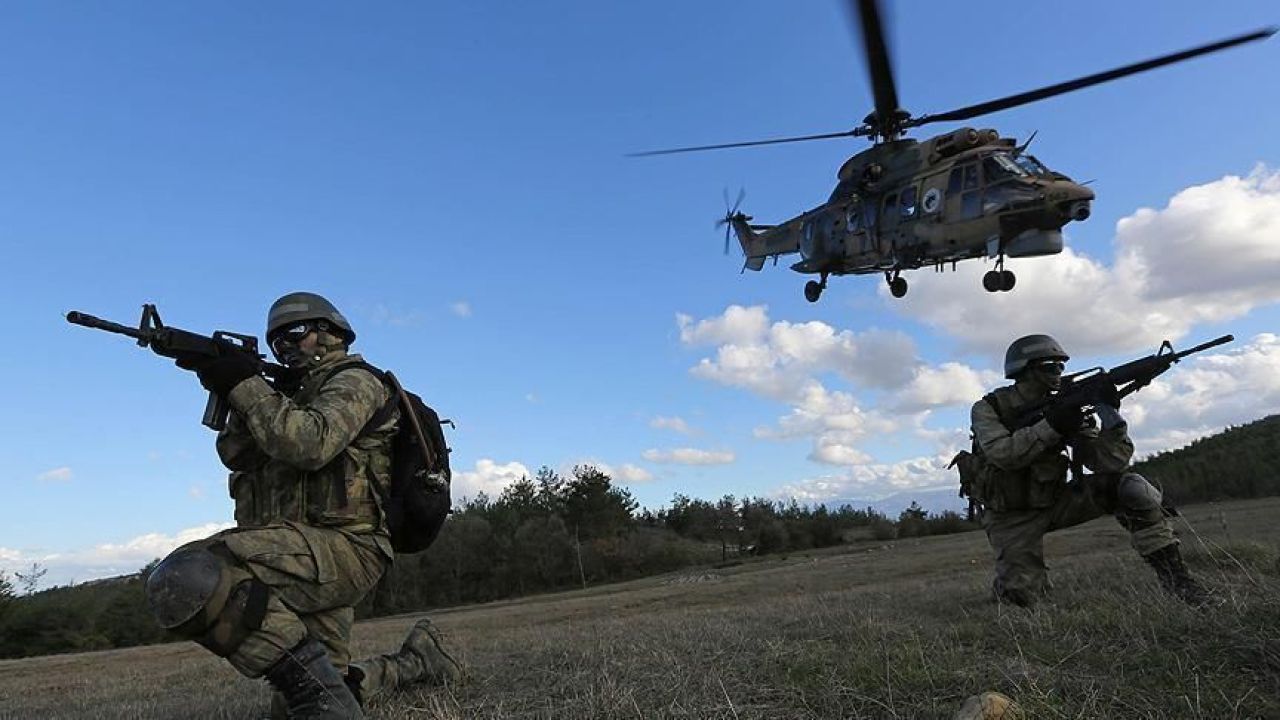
(312, 687)
(421, 659)
(1176, 579)
(427, 644)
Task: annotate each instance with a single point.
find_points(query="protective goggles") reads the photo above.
(289, 336)
(1053, 365)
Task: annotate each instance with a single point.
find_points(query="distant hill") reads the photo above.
(1239, 462)
(934, 500)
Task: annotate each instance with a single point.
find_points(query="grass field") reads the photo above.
(873, 630)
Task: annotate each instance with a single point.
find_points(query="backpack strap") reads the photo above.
(383, 413)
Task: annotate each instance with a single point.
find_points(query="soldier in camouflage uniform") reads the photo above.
(310, 461)
(1024, 484)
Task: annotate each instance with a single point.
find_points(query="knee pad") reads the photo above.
(193, 595)
(1134, 493)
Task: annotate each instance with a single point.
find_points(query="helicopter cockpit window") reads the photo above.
(908, 203)
(1000, 166)
(970, 176)
(1031, 165)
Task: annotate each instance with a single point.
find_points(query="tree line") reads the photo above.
(552, 532)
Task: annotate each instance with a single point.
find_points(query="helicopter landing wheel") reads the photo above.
(1007, 280)
(898, 287)
(812, 290)
(991, 281)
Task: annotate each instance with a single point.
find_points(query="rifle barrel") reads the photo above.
(1205, 346)
(97, 323)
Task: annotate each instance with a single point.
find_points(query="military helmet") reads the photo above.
(302, 306)
(1026, 350)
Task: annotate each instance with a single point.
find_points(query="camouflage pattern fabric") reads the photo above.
(307, 475)
(1030, 495)
(316, 576)
(304, 458)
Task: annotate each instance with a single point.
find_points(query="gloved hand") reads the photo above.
(1064, 419)
(1108, 416)
(1109, 395)
(220, 374)
(190, 361)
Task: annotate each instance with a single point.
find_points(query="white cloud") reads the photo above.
(461, 308)
(780, 361)
(626, 472)
(395, 317)
(1206, 393)
(876, 479)
(1212, 254)
(737, 326)
(61, 474)
(675, 424)
(488, 477)
(105, 560)
(948, 384)
(788, 362)
(197, 492)
(689, 456)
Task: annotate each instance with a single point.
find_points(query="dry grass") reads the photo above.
(900, 630)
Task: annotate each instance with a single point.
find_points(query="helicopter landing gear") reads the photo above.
(999, 280)
(813, 289)
(897, 284)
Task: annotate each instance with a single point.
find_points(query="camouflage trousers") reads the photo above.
(382, 674)
(316, 577)
(1017, 536)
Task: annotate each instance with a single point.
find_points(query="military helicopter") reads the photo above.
(906, 204)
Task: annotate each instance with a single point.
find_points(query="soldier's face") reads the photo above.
(294, 346)
(1048, 373)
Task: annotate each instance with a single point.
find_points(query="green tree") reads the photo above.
(593, 506)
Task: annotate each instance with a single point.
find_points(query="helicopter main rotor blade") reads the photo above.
(878, 64)
(1084, 82)
(700, 148)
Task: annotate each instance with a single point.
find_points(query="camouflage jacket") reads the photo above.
(1027, 468)
(308, 457)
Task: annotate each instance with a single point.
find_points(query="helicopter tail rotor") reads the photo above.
(731, 213)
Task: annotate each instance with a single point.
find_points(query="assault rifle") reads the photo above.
(172, 342)
(1085, 389)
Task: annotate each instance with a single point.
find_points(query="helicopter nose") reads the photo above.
(1079, 210)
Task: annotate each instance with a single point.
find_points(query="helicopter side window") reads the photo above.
(970, 176)
(890, 213)
(908, 203)
(971, 205)
(869, 214)
(953, 182)
(853, 219)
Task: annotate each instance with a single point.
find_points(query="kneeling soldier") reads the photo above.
(1024, 484)
(310, 463)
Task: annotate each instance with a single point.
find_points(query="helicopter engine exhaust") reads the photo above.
(1079, 211)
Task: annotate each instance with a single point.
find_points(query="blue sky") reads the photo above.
(454, 179)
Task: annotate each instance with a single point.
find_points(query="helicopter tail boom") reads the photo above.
(761, 242)
(753, 245)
